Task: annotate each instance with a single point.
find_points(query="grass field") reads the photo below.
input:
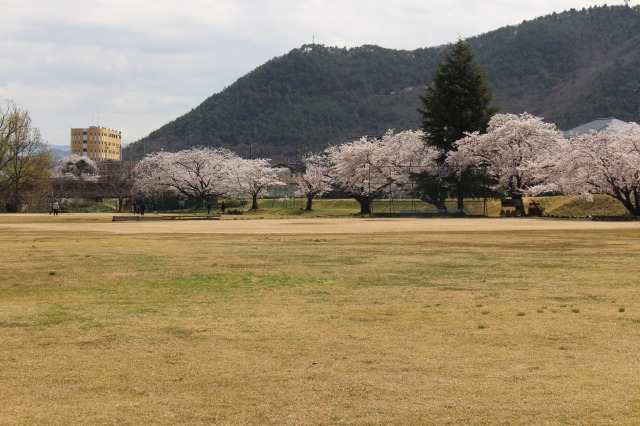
(558, 206)
(318, 321)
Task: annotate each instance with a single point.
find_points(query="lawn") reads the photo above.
(558, 206)
(318, 321)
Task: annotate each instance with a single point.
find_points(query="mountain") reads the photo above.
(57, 152)
(569, 68)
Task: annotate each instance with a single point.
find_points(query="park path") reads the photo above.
(85, 223)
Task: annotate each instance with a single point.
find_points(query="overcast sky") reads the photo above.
(134, 65)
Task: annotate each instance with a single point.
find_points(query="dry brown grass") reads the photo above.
(318, 321)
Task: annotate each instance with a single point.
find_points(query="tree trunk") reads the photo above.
(120, 203)
(462, 186)
(441, 205)
(460, 206)
(309, 202)
(633, 209)
(520, 207)
(365, 204)
(16, 195)
(254, 205)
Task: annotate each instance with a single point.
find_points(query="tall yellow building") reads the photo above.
(97, 143)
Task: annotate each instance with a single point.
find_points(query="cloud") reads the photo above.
(142, 63)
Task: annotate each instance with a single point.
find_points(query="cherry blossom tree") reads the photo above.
(75, 169)
(365, 167)
(250, 178)
(78, 166)
(516, 151)
(606, 162)
(150, 175)
(315, 181)
(195, 173)
(437, 184)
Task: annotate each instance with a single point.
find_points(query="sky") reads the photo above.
(135, 65)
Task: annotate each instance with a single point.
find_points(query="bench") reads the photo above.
(135, 217)
(191, 216)
(166, 217)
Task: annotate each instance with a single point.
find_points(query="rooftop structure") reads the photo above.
(596, 126)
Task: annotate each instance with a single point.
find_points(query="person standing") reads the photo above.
(55, 207)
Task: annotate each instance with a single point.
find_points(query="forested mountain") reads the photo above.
(569, 68)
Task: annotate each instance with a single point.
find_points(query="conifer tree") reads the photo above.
(456, 103)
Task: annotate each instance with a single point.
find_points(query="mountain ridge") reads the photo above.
(569, 68)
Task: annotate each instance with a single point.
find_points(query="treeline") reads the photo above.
(569, 68)
(305, 99)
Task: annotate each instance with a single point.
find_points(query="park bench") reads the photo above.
(128, 218)
(122, 218)
(191, 216)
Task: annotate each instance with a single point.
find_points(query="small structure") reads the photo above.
(596, 125)
(535, 209)
(511, 203)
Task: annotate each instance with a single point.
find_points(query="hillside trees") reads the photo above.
(455, 104)
(568, 67)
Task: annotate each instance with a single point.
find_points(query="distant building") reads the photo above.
(97, 143)
(596, 125)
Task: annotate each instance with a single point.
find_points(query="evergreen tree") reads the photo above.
(458, 102)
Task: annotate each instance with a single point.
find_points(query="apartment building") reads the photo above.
(97, 143)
